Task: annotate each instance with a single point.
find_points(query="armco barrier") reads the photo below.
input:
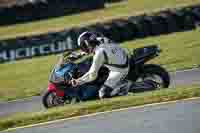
(172, 23)
(142, 25)
(183, 20)
(124, 28)
(108, 30)
(158, 25)
(118, 30)
(196, 14)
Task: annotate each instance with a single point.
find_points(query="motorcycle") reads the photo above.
(144, 77)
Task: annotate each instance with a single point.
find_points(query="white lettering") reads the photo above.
(34, 51)
(28, 53)
(45, 49)
(64, 45)
(56, 47)
(20, 53)
(53, 48)
(69, 42)
(61, 46)
(3, 56)
(12, 54)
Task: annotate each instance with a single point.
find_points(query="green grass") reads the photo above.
(29, 77)
(164, 95)
(131, 7)
(179, 50)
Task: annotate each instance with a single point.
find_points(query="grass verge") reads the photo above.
(99, 106)
(112, 11)
(29, 77)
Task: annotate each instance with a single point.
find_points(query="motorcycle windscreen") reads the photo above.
(61, 73)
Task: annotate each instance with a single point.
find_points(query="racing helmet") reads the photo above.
(89, 40)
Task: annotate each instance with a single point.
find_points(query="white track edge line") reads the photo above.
(99, 113)
(186, 70)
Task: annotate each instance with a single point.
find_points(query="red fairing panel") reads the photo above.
(52, 87)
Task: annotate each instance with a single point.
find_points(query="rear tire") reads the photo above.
(157, 70)
(149, 72)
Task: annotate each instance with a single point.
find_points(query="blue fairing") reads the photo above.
(66, 68)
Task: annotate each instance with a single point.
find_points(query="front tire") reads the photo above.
(50, 99)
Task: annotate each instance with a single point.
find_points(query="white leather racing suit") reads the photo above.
(115, 59)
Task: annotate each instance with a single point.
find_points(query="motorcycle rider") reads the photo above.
(106, 53)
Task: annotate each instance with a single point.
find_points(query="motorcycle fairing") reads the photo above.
(52, 87)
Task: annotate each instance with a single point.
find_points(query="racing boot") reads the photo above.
(122, 89)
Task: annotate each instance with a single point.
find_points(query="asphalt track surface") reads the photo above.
(180, 78)
(178, 117)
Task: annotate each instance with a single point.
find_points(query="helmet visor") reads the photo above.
(84, 46)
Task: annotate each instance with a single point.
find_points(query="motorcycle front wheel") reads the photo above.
(50, 99)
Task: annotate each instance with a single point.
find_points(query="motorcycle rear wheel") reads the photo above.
(155, 73)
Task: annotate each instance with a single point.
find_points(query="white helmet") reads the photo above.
(89, 40)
